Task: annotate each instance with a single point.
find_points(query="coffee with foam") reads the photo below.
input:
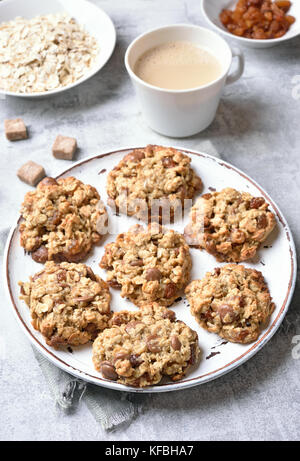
(178, 66)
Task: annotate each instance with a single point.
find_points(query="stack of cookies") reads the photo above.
(70, 305)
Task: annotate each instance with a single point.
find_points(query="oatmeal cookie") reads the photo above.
(152, 183)
(141, 347)
(148, 265)
(233, 301)
(61, 220)
(68, 303)
(229, 224)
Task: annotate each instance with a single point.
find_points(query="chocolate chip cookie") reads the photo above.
(233, 301)
(61, 220)
(141, 347)
(148, 265)
(229, 224)
(152, 183)
(68, 303)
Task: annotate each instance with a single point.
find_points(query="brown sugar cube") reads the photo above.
(31, 173)
(64, 147)
(15, 129)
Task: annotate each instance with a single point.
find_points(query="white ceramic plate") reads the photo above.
(212, 8)
(278, 264)
(93, 19)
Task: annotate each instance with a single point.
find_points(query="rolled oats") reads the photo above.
(44, 53)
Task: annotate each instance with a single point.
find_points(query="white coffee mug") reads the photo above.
(181, 113)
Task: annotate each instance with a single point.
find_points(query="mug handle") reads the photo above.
(236, 53)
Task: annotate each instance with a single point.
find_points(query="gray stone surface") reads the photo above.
(256, 129)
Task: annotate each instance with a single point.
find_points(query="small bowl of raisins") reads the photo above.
(254, 23)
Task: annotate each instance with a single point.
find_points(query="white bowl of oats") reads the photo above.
(50, 47)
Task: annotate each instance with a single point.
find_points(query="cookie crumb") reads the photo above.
(31, 173)
(211, 355)
(221, 344)
(64, 147)
(15, 129)
(102, 171)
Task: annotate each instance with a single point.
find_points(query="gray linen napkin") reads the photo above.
(110, 408)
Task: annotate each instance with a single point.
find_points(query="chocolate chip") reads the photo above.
(117, 320)
(92, 329)
(55, 219)
(175, 343)
(90, 274)
(132, 325)
(206, 196)
(59, 257)
(242, 335)
(40, 255)
(227, 314)
(210, 246)
(170, 290)
(137, 262)
(135, 360)
(108, 371)
(121, 356)
(134, 156)
(168, 162)
(153, 274)
(62, 276)
(37, 243)
(152, 344)
(257, 202)
(114, 283)
(84, 299)
(262, 221)
(170, 315)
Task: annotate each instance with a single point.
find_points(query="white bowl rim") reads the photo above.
(244, 39)
(186, 382)
(166, 90)
(90, 74)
